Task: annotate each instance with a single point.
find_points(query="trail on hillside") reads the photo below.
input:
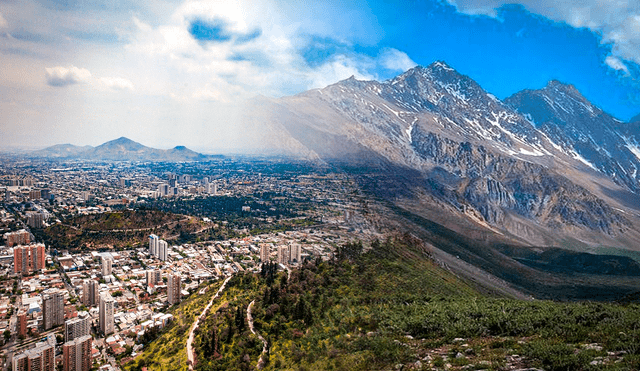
(190, 355)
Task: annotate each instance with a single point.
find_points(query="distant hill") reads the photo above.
(121, 149)
(61, 151)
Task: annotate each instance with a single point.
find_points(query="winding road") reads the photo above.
(190, 355)
(261, 361)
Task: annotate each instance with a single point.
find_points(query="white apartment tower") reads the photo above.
(77, 327)
(163, 250)
(153, 244)
(107, 267)
(294, 251)
(283, 254)
(106, 313)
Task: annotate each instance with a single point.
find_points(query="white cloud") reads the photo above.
(117, 83)
(169, 76)
(617, 21)
(3, 22)
(62, 76)
(339, 68)
(616, 64)
(396, 60)
(268, 63)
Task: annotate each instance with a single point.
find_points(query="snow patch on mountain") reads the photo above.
(633, 147)
(578, 157)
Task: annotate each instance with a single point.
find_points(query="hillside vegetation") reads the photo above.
(393, 308)
(119, 229)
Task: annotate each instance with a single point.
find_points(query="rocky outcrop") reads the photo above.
(493, 183)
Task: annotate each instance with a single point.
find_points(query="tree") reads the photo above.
(7, 334)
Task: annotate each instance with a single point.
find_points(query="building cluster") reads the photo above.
(29, 259)
(122, 295)
(104, 302)
(39, 358)
(158, 248)
(21, 237)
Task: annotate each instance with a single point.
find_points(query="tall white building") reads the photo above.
(211, 188)
(163, 250)
(174, 285)
(295, 253)
(163, 189)
(153, 244)
(77, 327)
(107, 304)
(107, 267)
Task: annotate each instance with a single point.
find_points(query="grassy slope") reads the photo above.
(168, 351)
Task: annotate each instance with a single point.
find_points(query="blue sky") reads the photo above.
(167, 72)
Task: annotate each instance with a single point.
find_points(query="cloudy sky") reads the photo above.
(166, 72)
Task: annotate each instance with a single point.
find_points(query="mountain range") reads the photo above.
(121, 149)
(514, 187)
(540, 170)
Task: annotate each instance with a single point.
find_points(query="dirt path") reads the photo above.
(190, 355)
(261, 361)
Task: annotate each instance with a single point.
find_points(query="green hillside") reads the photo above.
(393, 308)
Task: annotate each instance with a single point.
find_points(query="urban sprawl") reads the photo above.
(95, 305)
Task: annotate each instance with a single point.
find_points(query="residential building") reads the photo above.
(76, 354)
(77, 327)
(21, 260)
(283, 254)
(153, 277)
(107, 304)
(35, 220)
(22, 323)
(163, 189)
(265, 250)
(52, 308)
(153, 244)
(163, 248)
(37, 257)
(174, 285)
(106, 267)
(90, 292)
(28, 259)
(39, 358)
(21, 237)
(295, 253)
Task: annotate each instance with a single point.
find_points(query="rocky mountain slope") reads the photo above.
(582, 130)
(563, 170)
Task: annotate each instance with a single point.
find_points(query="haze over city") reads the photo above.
(177, 72)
